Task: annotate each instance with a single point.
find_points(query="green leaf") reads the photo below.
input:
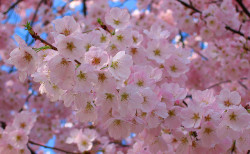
(42, 48)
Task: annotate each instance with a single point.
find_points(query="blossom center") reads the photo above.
(96, 61)
(207, 130)
(109, 96)
(196, 116)
(124, 96)
(171, 113)
(27, 56)
(133, 51)
(114, 64)
(140, 83)
(82, 75)
(233, 116)
(66, 32)
(103, 38)
(23, 125)
(173, 68)
(70, 46)
(101, 77)
(135, 39)
(157, 52)
(116, 22)
(227, 103)
(119, 38)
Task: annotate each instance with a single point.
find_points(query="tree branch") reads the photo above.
(35, 14)
(200, 54)
(3, 124)
(13, 6)
(84, 8)
(243, 7)
(219, 83)
(189, 6)
(54, 148)
(35, 36)
(30, 149)
(236, 32)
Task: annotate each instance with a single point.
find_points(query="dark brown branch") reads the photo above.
(200, 54)
(54, 148)
(35, 14)
(13, 6)
(84, 8)
(35, 36)
(245, 10)
(236, 32)
(79, 63)
(30, 149)
(3, 124)
(217, 84)
(189, 6)
(244, 86)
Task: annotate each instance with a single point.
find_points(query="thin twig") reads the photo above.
(35, 14)
(13, 6)
(30, 149)
(200, 54)
(219, 83)
(35, 36)
(54, 148)
(182, 39)
(236, 32)
(190, 6)
(33, 19)
(244, 86)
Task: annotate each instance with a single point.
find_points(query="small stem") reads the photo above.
(200, 54)
(236, 32)
(13, 6)
(79, 63)
(244, 86)
(54, 148)
(189, 6)
(35, 14)
(35, 36)
(217, 84)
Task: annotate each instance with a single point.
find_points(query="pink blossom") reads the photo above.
(120, 65)
(192, 116)
(85, 78)
(227, 99)
(237, 118)
(175, 67)
(62, 72)
(66, 26)
(70, 47)
(156, 32)
(118, 128)
(158, 50)
(18, 139)
(97, 57)
(117, 18)
(83, 143)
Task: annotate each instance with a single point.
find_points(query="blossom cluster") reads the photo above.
(14, 137)
(113, 76)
